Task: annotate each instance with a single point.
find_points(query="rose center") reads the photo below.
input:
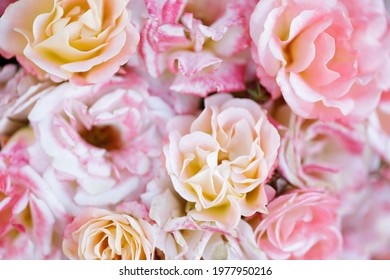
(206, 11)
(106, 137)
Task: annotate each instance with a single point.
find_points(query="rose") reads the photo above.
(327, 155)
(365, 221)
(219, 161)
(180, 237)
(300, 225)
(204, 44)
(84, 41)
(329, 59)
(19, 91)
(99, 234)
(99, 145)
(32, 220)
(379, 128)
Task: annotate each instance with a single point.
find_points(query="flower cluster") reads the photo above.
(194, 130)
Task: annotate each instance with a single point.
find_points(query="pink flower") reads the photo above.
(219, 161)
(99, 145)
(32, 220)
(83, 42)
(19, 91)
(327, 155)
(379, 128)
(98, 234)
(329, 59)
(300, 225)
(366, 221)
(202, 43)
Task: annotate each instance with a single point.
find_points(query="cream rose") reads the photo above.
(219, 161)
(98, 234)
(180, 237)
(82, 41)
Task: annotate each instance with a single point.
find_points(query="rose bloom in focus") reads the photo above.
(81, 41)
(98, 234)
(329, 59)
(300, 225)
(219, 161)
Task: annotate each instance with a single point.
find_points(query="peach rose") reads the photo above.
(98, 234)
(300, 225)
(81, 41)
(329, 59)
(219, 161)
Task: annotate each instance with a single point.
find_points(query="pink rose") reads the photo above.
(202, 43)
(300, 225)
(99, 145)
(99, 234)
(329, 59)
(32, 220)
(219, 161)
(366, 221)
(379, 128)
(19, 91)
(83, 42)
(327, 155)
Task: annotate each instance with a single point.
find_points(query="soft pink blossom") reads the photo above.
(327, 155)
(19, 91)
(99, 234)
(202, 43)
(99, 145)
(219, 161)
(300, 225)
(379, 128)
(32, 220)
(83, 42)
(329, 59)
(366, 221)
